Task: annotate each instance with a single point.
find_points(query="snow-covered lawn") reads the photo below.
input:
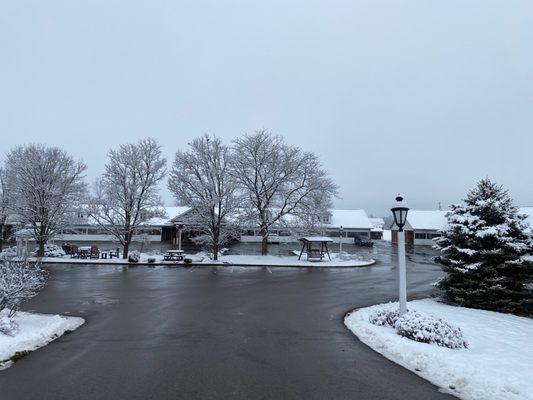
(498, 363)
(293, 261)
(35, 330)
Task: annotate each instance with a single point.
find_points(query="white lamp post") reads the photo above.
(399, 212)
(341, 231)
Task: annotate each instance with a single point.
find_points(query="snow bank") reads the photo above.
(35, 330)
(497, 364)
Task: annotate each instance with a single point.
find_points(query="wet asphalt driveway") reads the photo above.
(217, 333)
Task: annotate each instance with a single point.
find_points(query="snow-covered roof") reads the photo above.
(431, 220)
(172, 213)
(377, 224)
(317, 239)
(350, 219)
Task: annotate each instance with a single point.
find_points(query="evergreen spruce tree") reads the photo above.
(486, 251)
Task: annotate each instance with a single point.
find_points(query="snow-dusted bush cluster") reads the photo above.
(51, 250)
(8, 252)
(384, 317)
(19, 282)
(428, 329)
(134, 257)
(421, 328)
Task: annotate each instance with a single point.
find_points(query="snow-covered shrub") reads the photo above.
(384, 317)
(51, 250)
(421, 328)
(428, 329)
(8, 326)
(19, 282)
(134, 257)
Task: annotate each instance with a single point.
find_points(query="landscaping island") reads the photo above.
(496, 364)
(201, 259)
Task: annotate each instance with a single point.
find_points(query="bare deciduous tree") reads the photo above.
(4, 210)
(279, 181)
(45, 185)
(200, 178)
(127, 193)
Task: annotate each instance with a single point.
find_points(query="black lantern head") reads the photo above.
(399, 212)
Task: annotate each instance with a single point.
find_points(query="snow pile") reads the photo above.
(496, 365)
(35, 330)
(51, 250)
(420, 327)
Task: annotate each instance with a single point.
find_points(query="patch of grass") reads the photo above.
(18, 355)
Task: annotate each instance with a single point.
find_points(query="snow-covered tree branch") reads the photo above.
(127, 193)
(4, 210)
(200, 178)
(278, 181)
(19, 282)
(45, 185)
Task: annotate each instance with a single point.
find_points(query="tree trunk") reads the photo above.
(216, 237)
(40, 251)
(2, 228)
(264, 244)
(126, 247)
(41, 242)
(215, 251)
(125, 250)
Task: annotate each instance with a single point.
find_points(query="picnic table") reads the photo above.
(174, 255)
(110, 253)
(84, 251)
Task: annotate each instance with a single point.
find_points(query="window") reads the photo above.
(433, 235)
(420, 236)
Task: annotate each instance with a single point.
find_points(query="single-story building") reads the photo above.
(157, 229)
(355, 223)
(83, 228)
(378, 224)
(422, 227)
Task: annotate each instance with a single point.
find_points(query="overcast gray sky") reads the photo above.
(422, 97)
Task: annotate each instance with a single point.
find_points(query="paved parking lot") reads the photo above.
(218, 333)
